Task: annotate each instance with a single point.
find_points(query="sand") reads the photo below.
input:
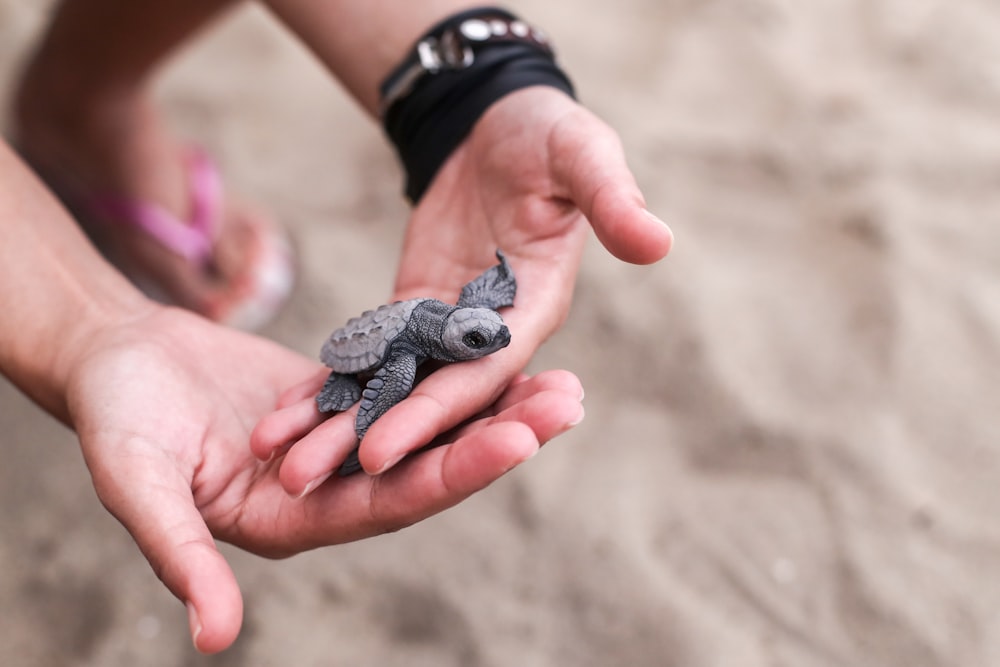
(792, 450)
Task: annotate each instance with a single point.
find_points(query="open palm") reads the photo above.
(536, 168)
(170, 456)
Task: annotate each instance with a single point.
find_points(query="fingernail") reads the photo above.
(311, 486)
(390, 463)
(653, 217)
(194, 622)
(573, 422)
(526, 458)
(578, 420)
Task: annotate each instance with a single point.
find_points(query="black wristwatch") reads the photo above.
(453, 44)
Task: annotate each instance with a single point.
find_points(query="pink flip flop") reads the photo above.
(193, 239)
(273, 275)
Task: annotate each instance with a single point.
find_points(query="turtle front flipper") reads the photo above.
(391, 384)
(339, 393)
(494, 288)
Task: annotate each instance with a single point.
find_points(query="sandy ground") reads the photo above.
(791, 450)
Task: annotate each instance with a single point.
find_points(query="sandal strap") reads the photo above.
(192, 239)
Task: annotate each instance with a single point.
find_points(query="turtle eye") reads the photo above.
(475, 340)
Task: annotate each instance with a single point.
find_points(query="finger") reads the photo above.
(525, 386)
(588, 162)
(439, 403)
(320, 452)
(440, 478)
(548, 413)
(317, 452)
(146, 492)
(277, 430)
(311, 460)
(420, 419)
(455, 393)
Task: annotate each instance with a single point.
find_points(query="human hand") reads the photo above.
(164, 407)
(535, 169)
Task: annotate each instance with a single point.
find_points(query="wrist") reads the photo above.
(43, 364)
(455, 72)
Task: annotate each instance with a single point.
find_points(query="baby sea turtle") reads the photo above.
(382, 348)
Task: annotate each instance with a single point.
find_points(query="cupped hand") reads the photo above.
(164, 407)
(535, 169)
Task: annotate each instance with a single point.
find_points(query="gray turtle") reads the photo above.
(382, 348)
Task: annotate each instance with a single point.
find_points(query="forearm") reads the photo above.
(360, 42)
(56, 292)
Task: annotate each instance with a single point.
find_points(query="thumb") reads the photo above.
(145, 491)
(588, 164)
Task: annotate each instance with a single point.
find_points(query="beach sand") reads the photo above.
(791, 456)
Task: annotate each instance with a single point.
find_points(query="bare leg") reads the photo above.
(85, 117)
(87, 122)
(84, 99)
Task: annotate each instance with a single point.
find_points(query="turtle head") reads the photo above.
(471, 333)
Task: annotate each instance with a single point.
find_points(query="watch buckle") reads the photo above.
(451, 51)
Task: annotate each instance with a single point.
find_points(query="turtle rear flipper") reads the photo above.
(339, 393)
(350, 465)
(494, 288)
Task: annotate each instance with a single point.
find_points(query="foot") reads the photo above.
(116, 144)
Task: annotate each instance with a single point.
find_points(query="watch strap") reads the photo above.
(454, 44)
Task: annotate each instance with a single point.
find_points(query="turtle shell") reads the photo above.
(361, 345)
